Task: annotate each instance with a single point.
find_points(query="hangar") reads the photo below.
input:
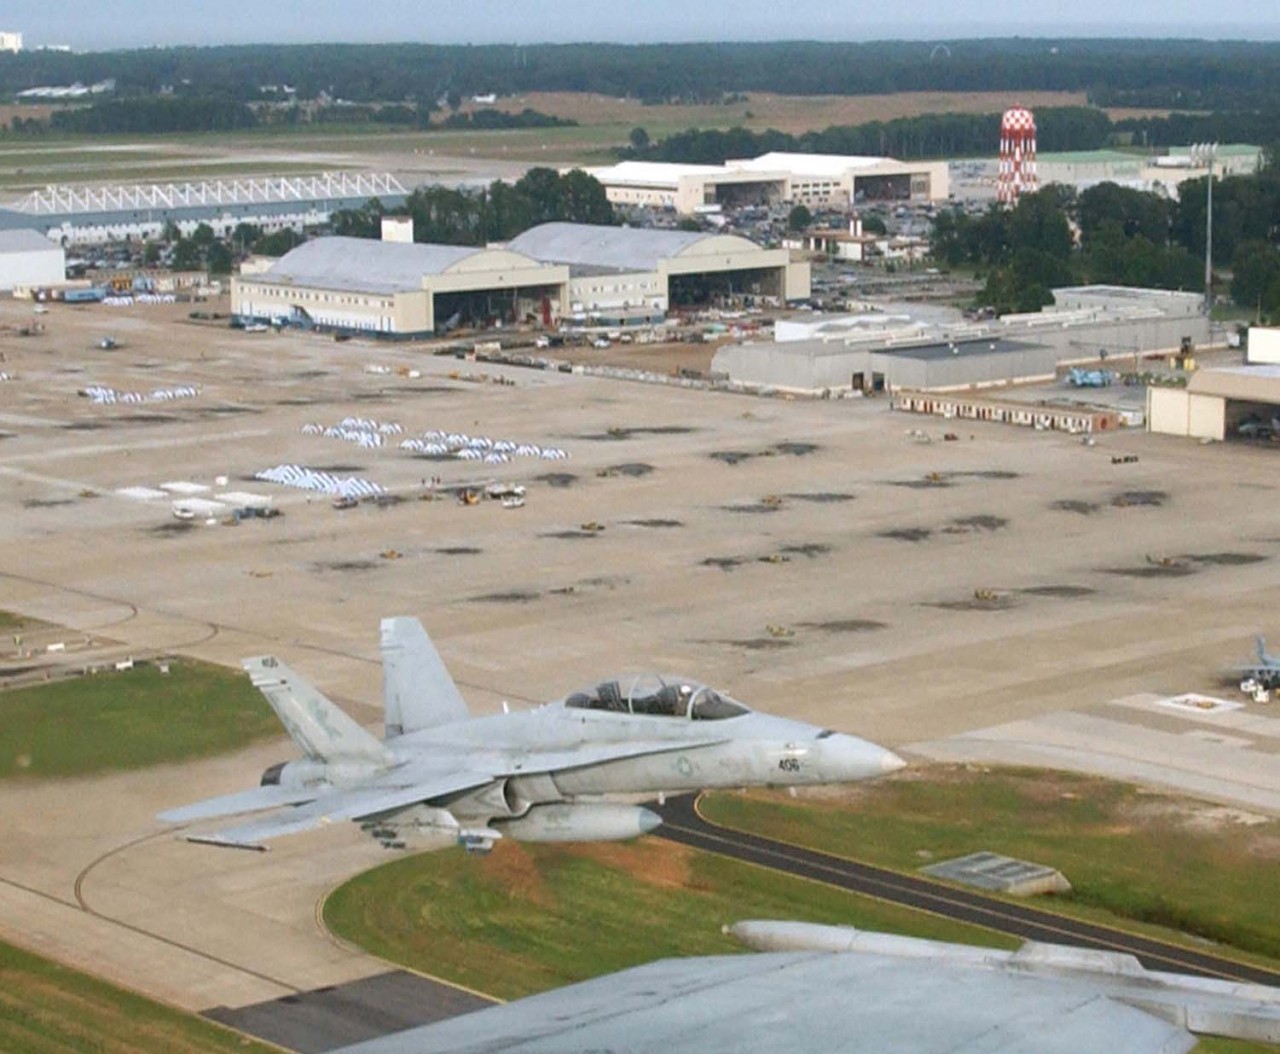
(28, 258)
(395, 288)
(814, 180)
(96, 215)
(1219, 403)
(552, 271)
(625, 270)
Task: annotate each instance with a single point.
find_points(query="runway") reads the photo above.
(683, 823)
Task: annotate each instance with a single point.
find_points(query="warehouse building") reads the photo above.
(870, 353)
(97, 215)
(553, 271)
(1217, 402)
(815, 180)
(28, 259)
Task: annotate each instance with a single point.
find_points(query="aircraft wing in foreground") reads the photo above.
(567, 771)
(832, 990)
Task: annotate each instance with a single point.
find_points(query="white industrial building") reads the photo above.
(28, 259)
(95, 215)
(875, 352)
(1263, 345)
(814, 180)
(551, 272)
(1216, 402)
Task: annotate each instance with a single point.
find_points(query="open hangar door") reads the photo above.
(725, 288)
(1251, 421)
(535, 305)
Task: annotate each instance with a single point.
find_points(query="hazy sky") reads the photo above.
(100, 24)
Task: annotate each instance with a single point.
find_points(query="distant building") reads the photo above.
(28, 259)
(11, 42)
(815, 180)
(115, 212)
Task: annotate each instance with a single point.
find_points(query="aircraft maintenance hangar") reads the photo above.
(815, 180)
(1216, 402)
(553, 271)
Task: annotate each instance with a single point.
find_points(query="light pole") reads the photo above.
(1207, 152)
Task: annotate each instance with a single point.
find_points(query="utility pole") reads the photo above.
(1208, 149)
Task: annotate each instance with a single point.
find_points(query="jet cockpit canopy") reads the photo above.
(657, 695)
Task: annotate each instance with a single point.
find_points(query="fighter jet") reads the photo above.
(567, 771)
(1260, 678)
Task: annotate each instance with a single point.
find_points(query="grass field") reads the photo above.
(528, 918)
(1135, 859)
(50, 1009)
(141, 717)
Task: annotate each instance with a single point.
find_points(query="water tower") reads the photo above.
(1017, 155)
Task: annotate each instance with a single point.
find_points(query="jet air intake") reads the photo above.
(580, 823)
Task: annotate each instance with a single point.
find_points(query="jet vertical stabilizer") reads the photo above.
(416, 687)
(323, 731)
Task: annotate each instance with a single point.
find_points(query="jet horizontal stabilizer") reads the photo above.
(242, 801)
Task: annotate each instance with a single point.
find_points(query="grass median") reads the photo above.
(528, 918)
(131, 719)
(47, 1008)
(1180, 870)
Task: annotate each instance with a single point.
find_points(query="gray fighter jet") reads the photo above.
(568, 771)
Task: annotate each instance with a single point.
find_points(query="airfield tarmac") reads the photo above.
(814, 558)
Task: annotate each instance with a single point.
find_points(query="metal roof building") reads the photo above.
(396, 288)
(550, 271)
(28, 258)
(93, 215)
(1085, 322)
(1217, 402)
(816, 180)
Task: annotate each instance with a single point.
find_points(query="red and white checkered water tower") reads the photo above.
(1017, 155)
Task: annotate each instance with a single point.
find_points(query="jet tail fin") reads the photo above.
(316, 724)
(416, 687)
(1263, 657)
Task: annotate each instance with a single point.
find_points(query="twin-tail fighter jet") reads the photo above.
(568, 771)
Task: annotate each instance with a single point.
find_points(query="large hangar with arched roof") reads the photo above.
(548, 273)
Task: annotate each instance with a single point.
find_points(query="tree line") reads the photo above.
(1175, 74)
(445, 216)
(959, 135)
(1118, 235)
(180, 113)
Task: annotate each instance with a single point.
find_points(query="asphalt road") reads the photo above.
(683, 824)
(342, 1015)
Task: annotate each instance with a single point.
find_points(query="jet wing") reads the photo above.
(336, 805)
(818, 1002)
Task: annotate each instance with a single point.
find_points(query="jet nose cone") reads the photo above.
(649, 821)
(890, 762)
(848, 758)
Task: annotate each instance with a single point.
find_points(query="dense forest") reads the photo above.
(1173, 74)
(1126, 237)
